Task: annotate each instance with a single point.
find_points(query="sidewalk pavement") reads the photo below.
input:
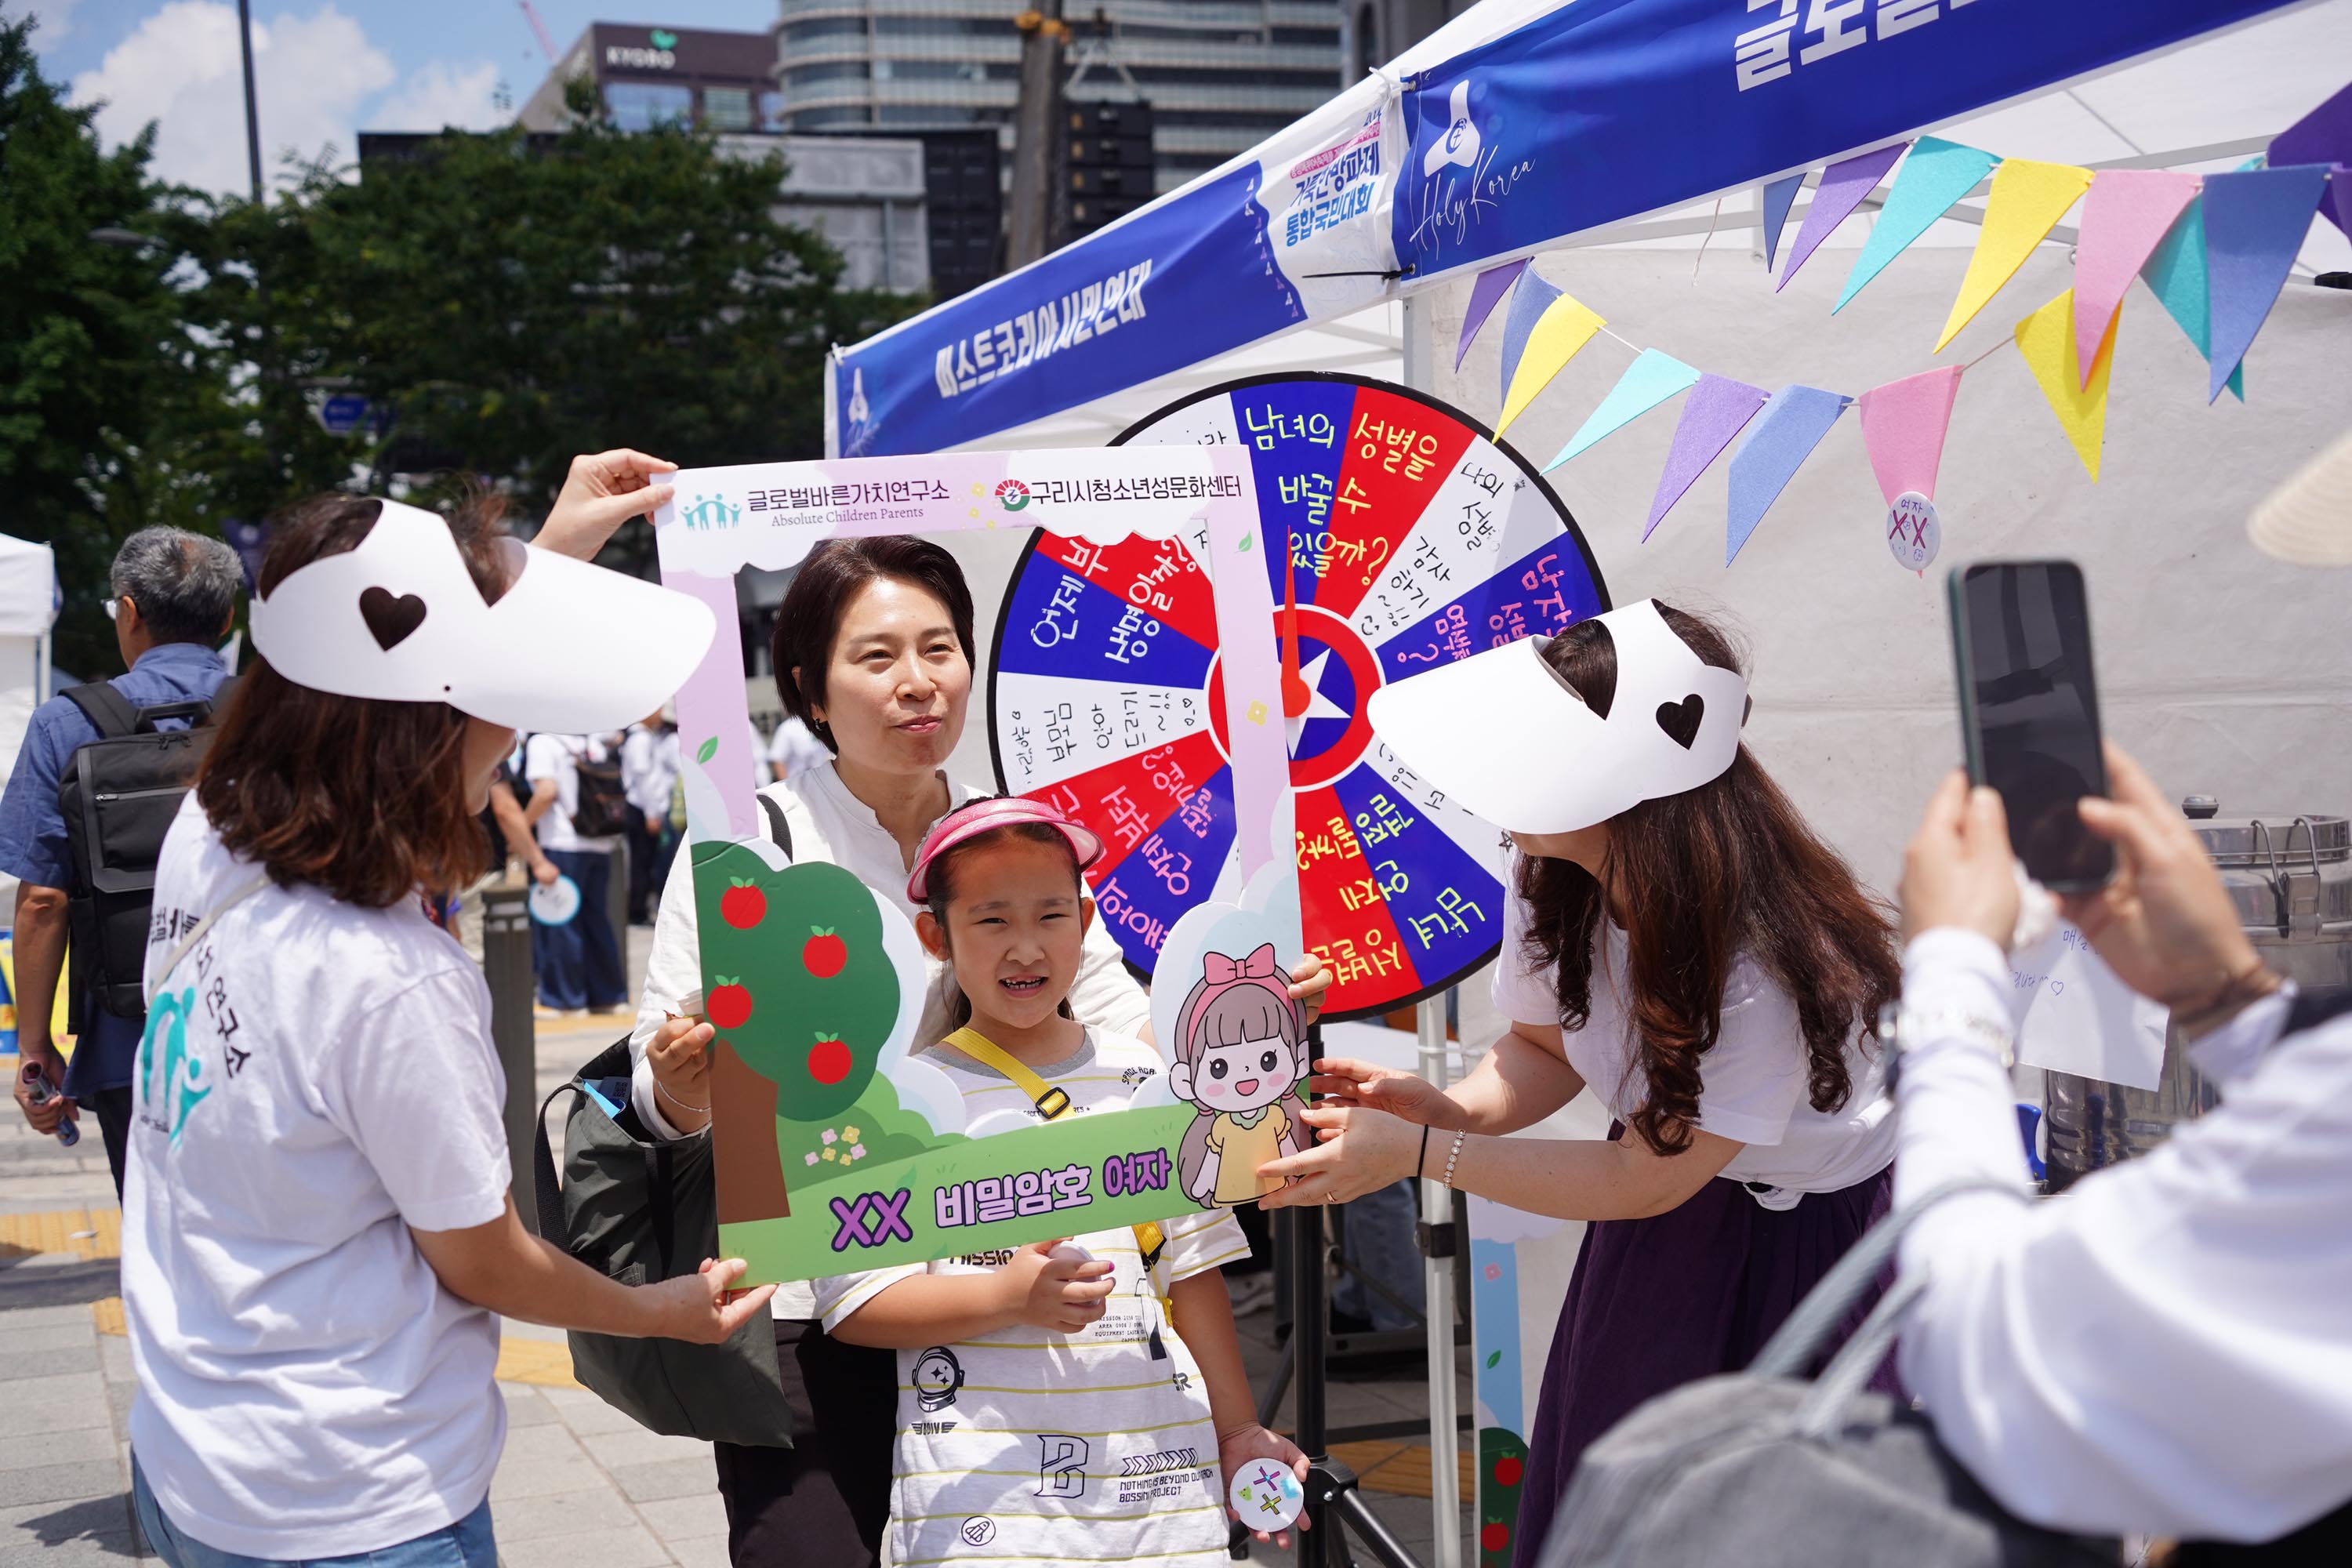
(579, 1482)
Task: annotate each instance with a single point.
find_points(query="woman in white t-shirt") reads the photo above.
(873, 652)
(1680, 941)
(317, 1235)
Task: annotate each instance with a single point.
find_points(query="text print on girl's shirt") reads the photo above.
(186, 1080)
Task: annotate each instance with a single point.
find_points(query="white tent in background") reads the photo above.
(28, 588)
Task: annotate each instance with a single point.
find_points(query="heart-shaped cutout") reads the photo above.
(392, 618)
(1680, 720)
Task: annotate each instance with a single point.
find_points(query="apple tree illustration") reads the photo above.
(803, 996)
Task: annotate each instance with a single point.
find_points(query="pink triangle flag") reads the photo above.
(2124, 218)
(1718, 409)
(1841, 191)
(1485, 295)
(1903, 426)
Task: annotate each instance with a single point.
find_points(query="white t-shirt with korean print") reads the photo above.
(1027, 1444)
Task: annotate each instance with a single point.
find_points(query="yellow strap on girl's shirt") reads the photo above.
(1053, 1102)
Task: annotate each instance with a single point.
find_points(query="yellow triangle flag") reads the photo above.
(2027, 201)
(2046, 339)
(1565, 327)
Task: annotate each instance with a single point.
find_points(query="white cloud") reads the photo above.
(56, 19)
(319, 75)
(441, 95)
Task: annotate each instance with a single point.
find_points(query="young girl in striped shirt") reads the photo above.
(1049, 1408)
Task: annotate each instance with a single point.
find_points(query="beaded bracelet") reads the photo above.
(1452, 1155)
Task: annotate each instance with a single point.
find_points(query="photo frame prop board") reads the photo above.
(838, 1148)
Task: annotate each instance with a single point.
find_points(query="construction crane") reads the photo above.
(546, 43)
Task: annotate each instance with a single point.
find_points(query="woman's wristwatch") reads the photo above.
(1902, 1030)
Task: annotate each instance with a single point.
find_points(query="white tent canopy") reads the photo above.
(28, 585)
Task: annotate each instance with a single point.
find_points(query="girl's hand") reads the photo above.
(1309, 978)
(1253, 1442)
(1062, 1294)
(1362, 1152)
(701, 1308)
(1341, 1081)
(680, 1054)
(603, 490)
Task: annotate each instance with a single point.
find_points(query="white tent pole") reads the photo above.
(1437, 1303)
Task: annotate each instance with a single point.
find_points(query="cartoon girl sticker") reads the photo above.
(1240, 1053)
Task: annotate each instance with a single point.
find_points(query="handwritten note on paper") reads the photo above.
(2081, 1018)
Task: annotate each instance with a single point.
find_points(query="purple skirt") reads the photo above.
(1655, 1303)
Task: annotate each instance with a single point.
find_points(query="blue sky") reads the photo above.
(326, 68)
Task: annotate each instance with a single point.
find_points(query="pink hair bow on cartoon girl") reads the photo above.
(1223, 971)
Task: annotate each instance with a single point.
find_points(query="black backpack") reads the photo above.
(118, 796)
(602, 808)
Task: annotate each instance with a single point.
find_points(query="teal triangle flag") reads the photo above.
(1776, 446)
(1649, 381)
(2175, 274)
(1936, 174)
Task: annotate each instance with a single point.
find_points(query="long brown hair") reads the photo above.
(1703, 878)
(362, 798)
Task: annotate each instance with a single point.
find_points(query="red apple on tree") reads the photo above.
(743, 906)
(729, 1006)
(828, 1059)
(823, 954)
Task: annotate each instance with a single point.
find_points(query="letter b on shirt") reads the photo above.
(1061, 1464)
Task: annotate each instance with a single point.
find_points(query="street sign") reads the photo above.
(341, 415)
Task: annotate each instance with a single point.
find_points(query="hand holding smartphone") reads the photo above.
(2030, 711)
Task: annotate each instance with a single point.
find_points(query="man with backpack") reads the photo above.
(120, 755)
(579, 811)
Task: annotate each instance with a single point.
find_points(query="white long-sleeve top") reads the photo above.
(2167, 1349)
(648, 768)
(829, 824)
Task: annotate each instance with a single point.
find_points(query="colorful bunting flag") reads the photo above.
(2028, 199)
(2124, 217)
(1565, 327)
(2046, 339)
(1716, 411)
(2175, 276)
(1650, 380)
(1485, 295)
(1841, 191)
(1937, 174)
(2254, 222)
(1778, 197)
(2323, 136)
(1529, 300)
(1791, 425)
(1903, 426)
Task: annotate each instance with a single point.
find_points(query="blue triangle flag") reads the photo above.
(2254, 222)
(2175, 274)
(1779, 197)
(1784, 434)
(1530, 298)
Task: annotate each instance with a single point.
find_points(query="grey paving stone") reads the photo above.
(15, 1364)
(57, 1482)
(632, 1547)
(549, 1441)
(685, 1518)
(37, 1405)
(14, 1319)
(92, 1445)
(701, 1552)
(637, 1447)
(662, 1479)
(68, 1335)
(584, 1412)
(552, 1475)
(562, 1513)
(115, 1359)
(115, 1550)
(526, 1406)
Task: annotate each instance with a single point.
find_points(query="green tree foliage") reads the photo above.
(98, 371)
(517, 299)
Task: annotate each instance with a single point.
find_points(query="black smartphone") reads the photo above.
(2030, 711)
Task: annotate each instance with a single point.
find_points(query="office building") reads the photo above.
(1219, 75)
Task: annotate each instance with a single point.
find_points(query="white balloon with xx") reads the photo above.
(1914, 533)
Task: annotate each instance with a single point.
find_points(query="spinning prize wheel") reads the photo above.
(1414, 540)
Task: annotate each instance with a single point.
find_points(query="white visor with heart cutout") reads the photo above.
(1509, 741)
(569, 647)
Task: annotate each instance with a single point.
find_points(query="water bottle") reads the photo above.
(38, 1085)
